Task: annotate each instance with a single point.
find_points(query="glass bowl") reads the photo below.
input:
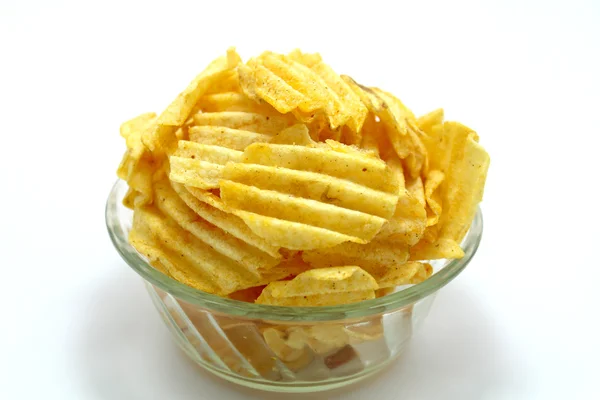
(286, 349)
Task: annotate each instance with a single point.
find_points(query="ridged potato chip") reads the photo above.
(307, 90)
(200, 165)
(292, 196)
(439, 248)
(242, 120)
(460, 193)
(231, 101)
(375, 257)
(138, 164)
(433, 180)
(162, 137)
(235, 139)
(210, 208)
(405, 274)
(250, 257)
(324, 286)
(394, 117)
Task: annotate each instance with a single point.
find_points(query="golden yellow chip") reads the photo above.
(358, 168)
(228, 83)
(322, 338)
(210, 208)
(324, 286)
(361, 226)
(305, 209)
(293, 235)
(460, 193)
(308, 59)
(440, 248)
(258, 123)
(250, 257)
(161, 137)
(409, 221)
(409, 273)
(351, 102)
(314, 186)
(325, 280)
(395, 117)
(200, 165)
(235, 139)
(138, 165)
(136, 126)
(433, 180)
(158, 229)
(331, 299)
(307, 91)
(297, 134)
(275, 339)
(375, 257)
(228, 101)
(465, 181)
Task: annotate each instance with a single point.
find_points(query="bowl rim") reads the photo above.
(405, 297)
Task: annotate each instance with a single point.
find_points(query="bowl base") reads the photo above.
(299, 387)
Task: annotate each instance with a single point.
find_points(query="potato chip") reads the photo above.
(259, 83)
(136, 126)
(153, 244)
(352, 104)
(228, 83)
(409, 273)
(138, 165)
(465, 181)
(308, 59)
(251, 258)
(235, 139)
(227, 101)
(375, 257)
(288, 268)
(433, 198)
(395, 117)
(440, 248)
(293, 235)
(297, 135)
(313, 186)
(324, 286)
(253, 122)
(275, 339)
(211, 209)
(461, 192)
(290, 86)
(409, 221)
(322, 339)
(423, 273)
(200, 165)
(143, 241)
(360, 169)
(324, 216)
(435, 139)
(325, 280)
(331, 299)
(162, 135)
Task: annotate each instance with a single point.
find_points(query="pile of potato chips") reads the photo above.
(278, 181)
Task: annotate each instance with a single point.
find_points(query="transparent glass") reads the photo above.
(286, 349)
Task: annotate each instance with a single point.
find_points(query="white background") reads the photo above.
(520, 323)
